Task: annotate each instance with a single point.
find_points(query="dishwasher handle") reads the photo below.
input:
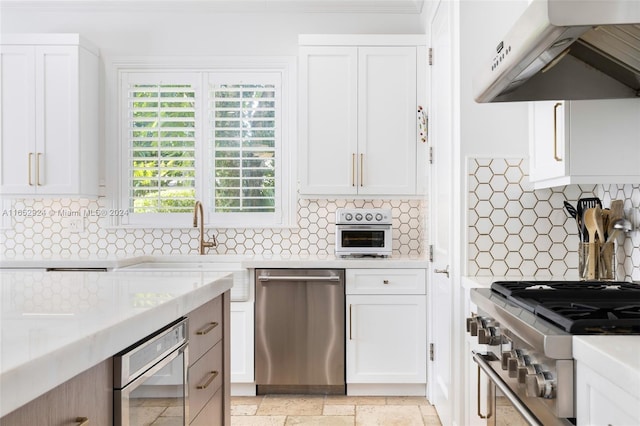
(266, 278)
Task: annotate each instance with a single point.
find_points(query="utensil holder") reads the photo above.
(596, 261)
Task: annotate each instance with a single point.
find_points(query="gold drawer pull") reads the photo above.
(207, 382)
(82, 421)
(30, 171)
(207, 328)
(38, 155)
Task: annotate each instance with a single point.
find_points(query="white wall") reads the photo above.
(488, 129)
(199, 31)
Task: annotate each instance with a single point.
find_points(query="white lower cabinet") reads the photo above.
(242, 323)
(386, 334)
(602, 402)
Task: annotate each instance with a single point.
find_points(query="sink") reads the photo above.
(240, 291)
(184, 266)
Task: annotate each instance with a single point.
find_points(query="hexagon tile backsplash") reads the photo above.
(515, 230)
(49, 235)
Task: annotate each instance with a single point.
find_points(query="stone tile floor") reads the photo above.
(285, 410)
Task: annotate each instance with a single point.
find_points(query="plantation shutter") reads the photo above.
(161, 128)
(244, 119)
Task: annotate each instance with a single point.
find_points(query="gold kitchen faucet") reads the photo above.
(198, 209)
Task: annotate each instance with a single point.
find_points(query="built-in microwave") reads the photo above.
(363, 232)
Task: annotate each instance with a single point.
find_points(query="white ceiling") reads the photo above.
(234, 6)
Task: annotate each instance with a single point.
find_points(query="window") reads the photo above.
(161, 144)
(214, 136)
(244, 113)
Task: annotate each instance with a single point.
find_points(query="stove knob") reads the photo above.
(348, 217)
(369, 217)
(378, 217)
(358, 217)
(508, 355)
(471, 320)
(489, 336)
(472, 325)
(515, 362)
(541, 385)
(527, 367)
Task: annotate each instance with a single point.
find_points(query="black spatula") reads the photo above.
(582, 206)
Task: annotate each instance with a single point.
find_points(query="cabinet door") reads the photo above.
(17, 113)
(242, 342)
(548, 140)
(601, 402)
(57, 111)
(328, 117)
(88, 395)
(387, 129)
(386, 339)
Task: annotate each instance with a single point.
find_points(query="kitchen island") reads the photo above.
(56, 325)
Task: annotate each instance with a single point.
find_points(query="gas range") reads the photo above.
(527, 327)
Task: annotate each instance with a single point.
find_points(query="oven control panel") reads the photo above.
(363, 216)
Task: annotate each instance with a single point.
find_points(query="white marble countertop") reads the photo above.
(331, 261)
(615, 357)
(55, 325)
(245, 261)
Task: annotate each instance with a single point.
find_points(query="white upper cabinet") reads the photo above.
(358, 116)
(584, 142)
(49, 113)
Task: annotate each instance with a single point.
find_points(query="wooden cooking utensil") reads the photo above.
(590, 223)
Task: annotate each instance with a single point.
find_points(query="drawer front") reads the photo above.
(205, 328)
(385, 281)
(205, 378)
(212, 414)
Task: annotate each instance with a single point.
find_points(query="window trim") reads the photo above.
(114, 128)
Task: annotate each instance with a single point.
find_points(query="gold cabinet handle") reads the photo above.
(212, 375)
(207, 328)
(350, 321)
(38, 155)
(82, 421)
(30, 171)
(353, 169)
(555, 131)
(361, 169)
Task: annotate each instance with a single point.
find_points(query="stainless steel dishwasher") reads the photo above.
(300, 316)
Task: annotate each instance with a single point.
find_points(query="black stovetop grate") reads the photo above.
(579, 307)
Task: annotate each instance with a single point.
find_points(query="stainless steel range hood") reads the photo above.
(566, 49)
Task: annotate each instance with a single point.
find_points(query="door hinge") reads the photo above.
(430, 56)
(430, 155)
(431, 351)
(431, 253)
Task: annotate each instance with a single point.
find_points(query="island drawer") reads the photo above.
(205, 378)
(212, 413)
(205, 328)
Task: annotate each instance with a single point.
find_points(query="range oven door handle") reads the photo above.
(479, 359)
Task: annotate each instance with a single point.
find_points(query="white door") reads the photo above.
(17, 117)
(441, 218)
(548, 140)
(386, 339)
(57, 126)
(387, 105)
(328, 120)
